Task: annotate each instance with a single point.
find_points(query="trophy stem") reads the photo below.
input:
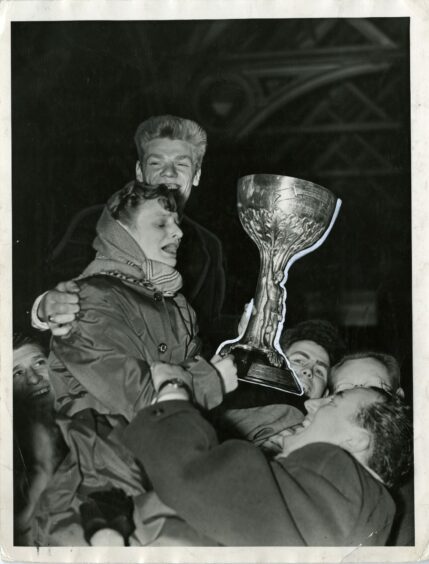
(265, 318)
(286, 218)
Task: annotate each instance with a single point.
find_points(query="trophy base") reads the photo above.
(254, 367)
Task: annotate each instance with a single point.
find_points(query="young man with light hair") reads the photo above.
(170, 151)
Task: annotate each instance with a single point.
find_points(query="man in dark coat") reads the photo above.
(159, 142)
(328, 486)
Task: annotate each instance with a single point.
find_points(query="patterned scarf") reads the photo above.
(119, 255)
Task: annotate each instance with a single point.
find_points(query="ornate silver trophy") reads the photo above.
(287, 218)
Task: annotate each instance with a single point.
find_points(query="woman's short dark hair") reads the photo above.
(124, 204)
(321, 332)
(389, 421)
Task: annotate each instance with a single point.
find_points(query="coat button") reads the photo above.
(157, 411)
(157, 296)
(162, 348)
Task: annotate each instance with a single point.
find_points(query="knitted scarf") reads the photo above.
(118, 254)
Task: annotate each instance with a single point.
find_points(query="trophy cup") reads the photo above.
(287, 218)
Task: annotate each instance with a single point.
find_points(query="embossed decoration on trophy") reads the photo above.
(287, 218)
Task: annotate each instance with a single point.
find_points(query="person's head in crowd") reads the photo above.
(365, 369)
(171, 151)
(30, 372)
(151, 215)
(33, 414)
(312, 347)
(370, 423)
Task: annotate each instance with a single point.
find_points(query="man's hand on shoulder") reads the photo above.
(59, 307)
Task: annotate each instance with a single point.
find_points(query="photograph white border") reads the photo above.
(66, 10)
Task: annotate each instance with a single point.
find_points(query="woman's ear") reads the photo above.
(139, 172)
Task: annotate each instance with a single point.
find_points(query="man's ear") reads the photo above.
(358, 442)
(400, 393)
(139, 172)
(197, 177)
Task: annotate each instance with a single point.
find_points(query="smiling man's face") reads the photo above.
(30, 375)
(310, 362)
(172, 162)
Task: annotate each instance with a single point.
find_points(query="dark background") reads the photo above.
(326, 100)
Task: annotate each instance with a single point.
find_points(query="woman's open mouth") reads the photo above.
(171, 249)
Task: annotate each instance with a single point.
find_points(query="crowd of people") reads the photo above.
(126, 434)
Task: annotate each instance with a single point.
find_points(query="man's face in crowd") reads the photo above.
(332, 420)
(310, 362)
(172, 162)
(30, 375)
(359, 372)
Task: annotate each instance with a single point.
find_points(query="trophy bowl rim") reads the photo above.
(283, 176)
